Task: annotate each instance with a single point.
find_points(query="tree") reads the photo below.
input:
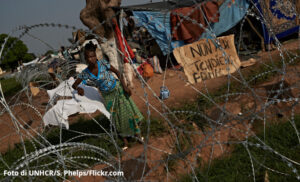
(49, 52)
(17, 52)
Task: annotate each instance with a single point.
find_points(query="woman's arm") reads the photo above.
(79, 89)
(126, 89)
(113, 69)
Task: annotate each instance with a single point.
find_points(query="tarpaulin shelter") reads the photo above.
(155, 17)
(163, 6)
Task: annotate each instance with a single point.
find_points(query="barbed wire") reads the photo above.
(182, 141)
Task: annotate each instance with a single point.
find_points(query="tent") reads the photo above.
(163, 6)
(155, 17)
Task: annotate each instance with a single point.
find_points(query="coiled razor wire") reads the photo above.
(39, 153)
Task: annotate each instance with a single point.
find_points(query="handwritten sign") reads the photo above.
(206, 59)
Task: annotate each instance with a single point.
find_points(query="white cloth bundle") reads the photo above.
(89, 103)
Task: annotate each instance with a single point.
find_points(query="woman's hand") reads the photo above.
(80, 91)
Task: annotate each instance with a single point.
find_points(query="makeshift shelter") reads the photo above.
(155, 17)
(163, 6)
(277, 15)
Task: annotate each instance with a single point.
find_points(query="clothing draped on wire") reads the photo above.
(121, 42)
(128, 54)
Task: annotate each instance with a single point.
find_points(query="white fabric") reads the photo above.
(129, 75)
(110, 49)
(63, 89)
(31, 62)
(89, 103)
(80, 67)
(94, 41)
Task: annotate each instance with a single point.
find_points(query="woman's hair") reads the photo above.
(90, 47)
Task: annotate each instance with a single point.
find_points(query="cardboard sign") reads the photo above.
(204, 60)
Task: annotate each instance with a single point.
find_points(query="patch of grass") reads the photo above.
(85, 126)
(170, 161)
(100, 139)
(157, 127)
(10, 86)
(179, 152)
(273, 67)
(13, 155)
(280, 136)
(237, 167)
(184, 143)
(191, 116)
(82, 125)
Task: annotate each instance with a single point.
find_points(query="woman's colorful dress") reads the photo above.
(125, 113)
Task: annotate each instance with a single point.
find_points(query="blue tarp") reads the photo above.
(158, 23)
(230, 15)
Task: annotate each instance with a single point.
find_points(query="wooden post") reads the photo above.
(258, 34)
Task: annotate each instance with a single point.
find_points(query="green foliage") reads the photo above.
(97, 138)
(13, 155)
(49, 52)
(281, 137)
(28, 57)
(82, 125)
(17, 53)
(170, 161)
(10, 86)
(157, 127)
(186, 119)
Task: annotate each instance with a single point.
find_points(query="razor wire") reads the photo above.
(75, 153)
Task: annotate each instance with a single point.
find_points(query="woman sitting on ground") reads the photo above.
(116, 94)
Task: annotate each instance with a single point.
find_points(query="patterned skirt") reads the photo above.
(125, 114)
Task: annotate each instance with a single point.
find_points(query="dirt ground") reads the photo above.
(158, 147)
(208, 145)
(179, 89)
